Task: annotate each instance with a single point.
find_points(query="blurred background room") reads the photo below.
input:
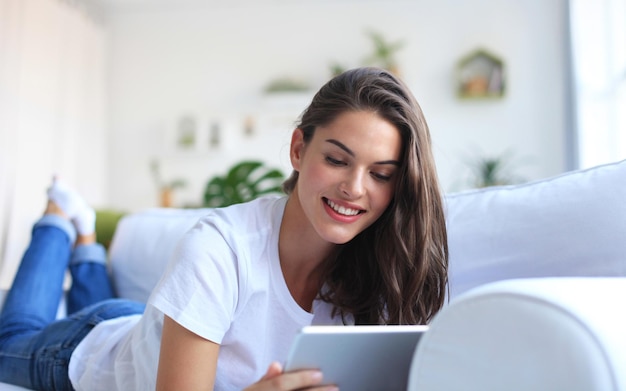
(125, 99)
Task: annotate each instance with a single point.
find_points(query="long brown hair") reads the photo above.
(395, 271)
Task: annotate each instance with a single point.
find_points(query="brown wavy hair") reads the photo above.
(396, 270)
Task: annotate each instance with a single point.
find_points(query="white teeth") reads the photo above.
(342, 210)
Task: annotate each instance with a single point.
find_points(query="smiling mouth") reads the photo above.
(342, 210)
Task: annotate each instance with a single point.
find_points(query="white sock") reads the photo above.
(85, 222)
(74, 206)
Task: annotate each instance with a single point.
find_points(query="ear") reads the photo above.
(297, 148)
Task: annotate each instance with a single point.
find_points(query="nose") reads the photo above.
(353, 185)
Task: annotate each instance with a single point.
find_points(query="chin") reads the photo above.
(339, 237)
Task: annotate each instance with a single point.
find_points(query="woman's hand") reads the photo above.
(275, 380)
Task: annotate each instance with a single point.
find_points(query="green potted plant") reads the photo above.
(493, 171)
(166, 188)
(245, 181)
(384, 54)
(286, 84)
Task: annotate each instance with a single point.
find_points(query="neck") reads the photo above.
(302, 254)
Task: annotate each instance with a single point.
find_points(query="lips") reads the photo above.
(342, 210)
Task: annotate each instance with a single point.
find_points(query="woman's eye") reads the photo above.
(381, 177)
(334, 162)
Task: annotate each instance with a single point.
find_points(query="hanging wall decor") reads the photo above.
(186, 132)
(480, 75)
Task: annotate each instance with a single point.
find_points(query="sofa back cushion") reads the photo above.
(573, 224)
(569, 225)
(143, 244)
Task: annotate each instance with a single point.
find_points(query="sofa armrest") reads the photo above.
(527, 334)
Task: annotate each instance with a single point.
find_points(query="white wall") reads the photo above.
(52, 108)
(212, 61)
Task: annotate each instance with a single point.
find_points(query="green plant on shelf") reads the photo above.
(286, 84)
(384, 54)
(165, 188)
(245, 181)
(493, 171)
(155, 169)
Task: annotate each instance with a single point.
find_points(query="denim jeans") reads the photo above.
(35, 348)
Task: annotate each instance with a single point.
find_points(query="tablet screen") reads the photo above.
(357, 358)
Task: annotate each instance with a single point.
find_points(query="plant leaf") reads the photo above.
(245, 181)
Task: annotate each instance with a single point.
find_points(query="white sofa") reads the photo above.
(537, 277)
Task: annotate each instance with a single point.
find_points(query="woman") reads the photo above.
(360, 238)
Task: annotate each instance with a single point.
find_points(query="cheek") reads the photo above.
(315, 176)
(384, 196)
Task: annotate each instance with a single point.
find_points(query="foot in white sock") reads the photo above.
(74, 206)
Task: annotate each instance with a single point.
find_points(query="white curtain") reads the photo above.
(598, 35)
(52, 110)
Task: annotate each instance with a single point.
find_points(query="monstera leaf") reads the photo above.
(243, 182)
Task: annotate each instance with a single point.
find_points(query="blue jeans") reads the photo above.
(35, 348)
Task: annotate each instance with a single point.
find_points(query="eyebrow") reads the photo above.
(351, 153)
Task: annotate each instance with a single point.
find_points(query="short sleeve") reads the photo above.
(200, 286)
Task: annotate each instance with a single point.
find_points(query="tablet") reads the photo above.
(357, 358)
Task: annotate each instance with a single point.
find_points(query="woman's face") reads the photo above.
(347, 173)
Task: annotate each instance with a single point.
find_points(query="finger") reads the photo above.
(329, 387)
(273, 370)
(295, 380)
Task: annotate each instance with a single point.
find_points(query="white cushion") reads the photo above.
(142, 246)
(569, 225)
(533, 334)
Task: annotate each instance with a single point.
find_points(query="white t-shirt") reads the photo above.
(225, 284)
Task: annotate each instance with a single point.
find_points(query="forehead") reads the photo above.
(363, 131)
